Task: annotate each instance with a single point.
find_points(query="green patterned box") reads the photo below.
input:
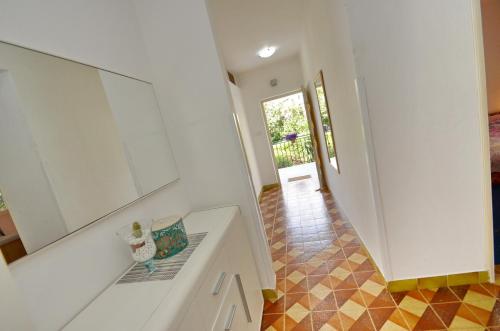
(170, 236)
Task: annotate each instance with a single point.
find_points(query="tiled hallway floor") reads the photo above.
(327, 282)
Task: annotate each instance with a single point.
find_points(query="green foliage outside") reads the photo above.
(283, 161)
(325, 120)
(329, 143)
(285, 116)
(288, 153)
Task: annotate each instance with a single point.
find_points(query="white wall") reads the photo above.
(196, 103)
(57, 282)
(100, 33)
(255, 87)
(12, 310)
(246, 137)
(421, 76)
(327, 46)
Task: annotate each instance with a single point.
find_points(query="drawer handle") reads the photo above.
(230, 318)
(218, 286)
(243, 297)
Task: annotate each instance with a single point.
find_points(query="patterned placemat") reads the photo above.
(166, 268)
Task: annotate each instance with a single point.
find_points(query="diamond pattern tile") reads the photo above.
(389, 318)
(327, 282)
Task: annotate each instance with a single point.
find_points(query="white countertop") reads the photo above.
(133, 306)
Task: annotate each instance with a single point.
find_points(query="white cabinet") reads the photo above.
(212, 290)
(230, 297)
(232, 316)
(242, 265)
(217, 288)
(192, 321)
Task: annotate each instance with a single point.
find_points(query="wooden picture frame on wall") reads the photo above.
(326, 120)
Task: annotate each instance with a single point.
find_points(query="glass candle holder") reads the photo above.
(140, 242)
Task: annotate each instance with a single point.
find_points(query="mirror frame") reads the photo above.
(320, 81)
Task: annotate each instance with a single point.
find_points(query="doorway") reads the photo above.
(290, 138)
(490, 15)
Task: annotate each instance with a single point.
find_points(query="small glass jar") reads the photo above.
(142, 248)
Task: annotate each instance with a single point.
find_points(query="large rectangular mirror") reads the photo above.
(76, 143)
(326, 121)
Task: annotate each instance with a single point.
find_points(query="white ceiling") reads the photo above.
(242, 27)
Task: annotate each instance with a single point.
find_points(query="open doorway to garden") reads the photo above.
(290, 137)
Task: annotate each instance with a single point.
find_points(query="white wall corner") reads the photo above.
(385, 265)
(484, 137)
(13, 315)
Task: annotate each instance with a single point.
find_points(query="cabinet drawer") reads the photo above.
(214, 287)
(243, 264)
(231, 316)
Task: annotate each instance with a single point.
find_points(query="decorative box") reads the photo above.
(170, 236)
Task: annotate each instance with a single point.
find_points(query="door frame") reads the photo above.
(484, 136)
(315, 134)
(312, 133)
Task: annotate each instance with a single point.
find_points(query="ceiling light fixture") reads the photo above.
(266, 52)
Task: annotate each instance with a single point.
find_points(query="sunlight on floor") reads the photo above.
(297, 171)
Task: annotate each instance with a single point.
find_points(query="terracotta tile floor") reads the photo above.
(327, 282)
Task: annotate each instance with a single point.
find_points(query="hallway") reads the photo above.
(326, 280)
